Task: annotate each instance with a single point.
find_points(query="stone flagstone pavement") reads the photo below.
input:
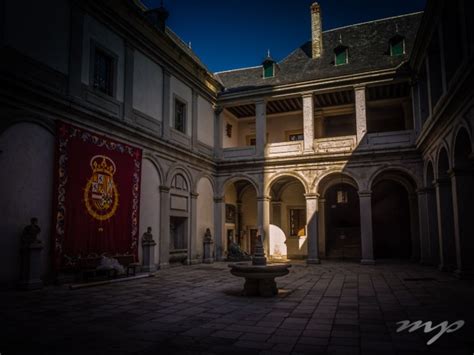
(332, 308)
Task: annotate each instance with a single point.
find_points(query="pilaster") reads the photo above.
(308, 122)
(261, 127)
(312, 228)
(164, 240)
(361, 112)
(367, 243)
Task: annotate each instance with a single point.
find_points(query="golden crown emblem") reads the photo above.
(102, 164)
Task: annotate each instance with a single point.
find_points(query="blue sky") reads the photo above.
(230, 34)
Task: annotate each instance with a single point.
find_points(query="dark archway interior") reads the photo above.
(391, 220)
(342, 221)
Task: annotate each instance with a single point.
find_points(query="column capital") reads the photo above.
(218, 109)
(359, 87)
(164, 189)
(307, 94)
(261, 100)
(424, 190)
(367, 193)
(460, 172)
(219, 199)
(264, 198)
(194, 195)
(442, 181)
(311, 196)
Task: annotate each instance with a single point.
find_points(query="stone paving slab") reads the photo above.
(332, 308)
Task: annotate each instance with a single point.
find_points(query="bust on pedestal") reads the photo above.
(148, 245)
(208, 258)
(30, 253)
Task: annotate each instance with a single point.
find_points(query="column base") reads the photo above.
(446, 268)
(367, 262)
(31, 285)
(464, 274)
(208, 261)
(148, 268)
(164, 266)
(313, 261)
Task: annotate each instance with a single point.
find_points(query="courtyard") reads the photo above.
(338, 307)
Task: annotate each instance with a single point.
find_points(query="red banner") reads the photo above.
(97, 196)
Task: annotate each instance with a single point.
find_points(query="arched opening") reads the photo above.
(288, 233)
(339, 217)
(204, 216)
(463, 189)
(27, 161)
(445, 213)
(180, 236)
(240, 220)
(150, 204)
(395, 216)
(432, 214)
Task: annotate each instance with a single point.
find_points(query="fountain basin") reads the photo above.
(259, 279)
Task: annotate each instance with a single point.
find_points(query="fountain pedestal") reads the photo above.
(259, 277)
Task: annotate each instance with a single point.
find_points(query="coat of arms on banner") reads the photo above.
(100, 195)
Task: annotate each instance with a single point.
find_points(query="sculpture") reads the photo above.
(148, 248)
(147, 236)
(208, 257)
(235, 253)
(30, 233)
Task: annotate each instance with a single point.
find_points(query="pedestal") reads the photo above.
(31, 267)
(148, 264)
(208, 257)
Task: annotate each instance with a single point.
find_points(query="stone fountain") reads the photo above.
(259, 277)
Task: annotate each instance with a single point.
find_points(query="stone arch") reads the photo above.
(179, 169)
(277, 176)
(399, 174)
(234, 178)
(204, 215)
(150, 200)
(395, 221)
(47, 124)
(443, 163)
(462, 141)
(428, 173)
(204, 175)
(461, 128)
(325, 181)
(26, 191)
(153, 160)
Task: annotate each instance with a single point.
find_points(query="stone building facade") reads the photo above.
(356, 145)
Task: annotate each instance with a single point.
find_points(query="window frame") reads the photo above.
(179, 99)
(272, 65)
(395, 41)
(338, 51)
(301, 213)
(94, 47)
(296, 132)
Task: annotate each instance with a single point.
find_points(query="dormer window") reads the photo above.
(269, 67)
(397, 46)
(268, 70)
(341, 55)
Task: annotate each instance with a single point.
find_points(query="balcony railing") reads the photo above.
(284, 149)
(383, 140)
(342, 144)
(236, 153)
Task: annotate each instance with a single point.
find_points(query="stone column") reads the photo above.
(164, 241)
(192, 239)
(308, 122)
(322, 226)
(463, 195)
(424, 227)
(194, 121)
(444, 204)
(261, 127)
(361, 112)
(312, 228)
(75, 50)
(165, 129)
(433, 225)
(263, 220)
(128, 85)
(218, 131)
(414, 227)
(148, 248)
(219, 232)
(367, 244)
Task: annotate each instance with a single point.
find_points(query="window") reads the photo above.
(103, 75)
(268, 69)
(341, 56)
(251, 140)
(179, 116)
(293, 137)
(397, 46)
(297, 222)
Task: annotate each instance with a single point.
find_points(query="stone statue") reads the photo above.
(30, 233)
(207, 235)
(234, 253)
(147, 236)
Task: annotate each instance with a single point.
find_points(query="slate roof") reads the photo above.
(368, 48)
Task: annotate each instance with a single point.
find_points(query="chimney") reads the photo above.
(158, 17)
(316, 31)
